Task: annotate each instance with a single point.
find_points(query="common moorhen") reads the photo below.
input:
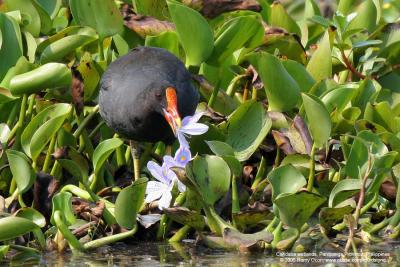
(145, 93)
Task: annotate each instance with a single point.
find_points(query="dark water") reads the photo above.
(187, 254)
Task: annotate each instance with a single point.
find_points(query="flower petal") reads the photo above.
(169, 161)
(182, 156)
(157, 172)
(194, 129)
(181, 186)
(182, 139)
(192, 119)
(155, 190)
(165, 200)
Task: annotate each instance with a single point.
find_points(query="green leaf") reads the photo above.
(32, 21)
(185, 216)
(239, 32)
(279, 17)
(295, 209)
(286, 179)
(90, 76)
(382, 166)
(57, 50)
(366, 17)
(212, 176)
(343, 190)
(11, 45)
(75, 169)
(320, 64)
(319, 121)
(12, 227)
(246, 128)
(63, 202)
(154, 8)
(338, 98)
(129, 202)
(167, 40)
(299, 74)
(328, 217)
(21, 170)
(103, 16)
(103, 151)
(3, 251)
(220, 148)
(50, 6)
(43, 127)
(31, 46)
(282, 91)
(33, 215)
(357, 161)
(199, 46)
(51, 75)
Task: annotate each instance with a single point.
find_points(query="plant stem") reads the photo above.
(311, 175)
(110, 239)
(21, 120)
(72, 240)
(86, 121)
(260, 173)
(254, 94)
(32, 99)
(235, 200)
(136, 158)
(180, 234)
(101, 49)
(214, 95)
(230, 91)
(50, 149)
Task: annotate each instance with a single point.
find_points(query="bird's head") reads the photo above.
(170, 109)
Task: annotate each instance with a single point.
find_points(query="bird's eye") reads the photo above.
(158, 96)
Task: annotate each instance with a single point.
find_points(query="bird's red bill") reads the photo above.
(171, 113)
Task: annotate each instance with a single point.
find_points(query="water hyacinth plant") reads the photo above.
(294, 146)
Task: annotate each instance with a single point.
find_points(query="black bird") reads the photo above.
(145, 93)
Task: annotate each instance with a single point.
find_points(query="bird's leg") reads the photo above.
(136, 158)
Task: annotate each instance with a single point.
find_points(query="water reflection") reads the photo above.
(188, 254)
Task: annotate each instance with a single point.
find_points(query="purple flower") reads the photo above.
(161, 189)
(190, 126)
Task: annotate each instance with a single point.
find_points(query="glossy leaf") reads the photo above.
(338, 98)
(358, 158)
(48, 76)
(90, 75)
(320, 64)
(33, 23)
(12, 227)
(319, 121)
(129, 202)
(33, 215)
(185, 216)
(348, 186)
(57, 50)
(103, 151)
(299, 74)
(286, 179)
(103, 16)
(42, 128)
(51, 6)
(282, 91)
(212, 176)
(63, 202)
(198, 47)
(243, 31)
(279, 17)
(244, 135)
(21, 170)
(3, 251)
(167, 40)
(220, 148)
(11, 45)
(366, 17)
(295, 209)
